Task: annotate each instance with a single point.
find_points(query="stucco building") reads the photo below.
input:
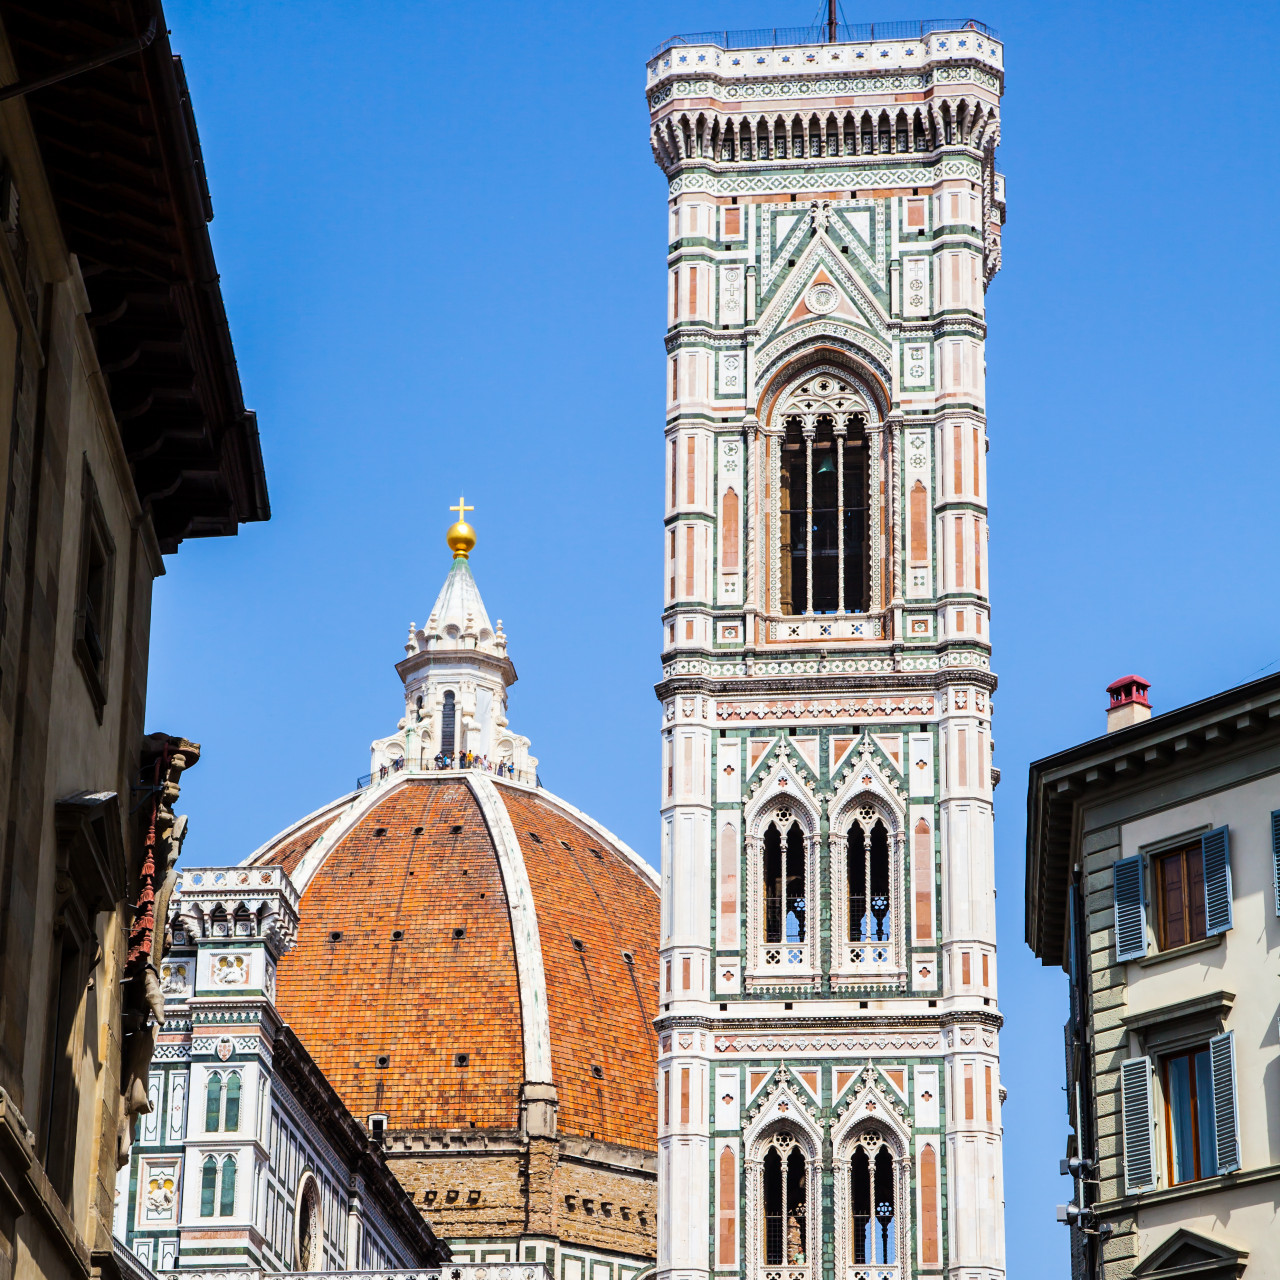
(1153, 880)
(829, 1083)
(123, 433)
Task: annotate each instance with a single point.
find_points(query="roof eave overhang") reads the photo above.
(122, 158)
(1059, 785)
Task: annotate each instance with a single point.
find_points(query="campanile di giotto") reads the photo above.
(828, 1081)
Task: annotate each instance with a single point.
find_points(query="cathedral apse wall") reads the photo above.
(828, 1086)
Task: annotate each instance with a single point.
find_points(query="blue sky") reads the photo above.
(441, 236)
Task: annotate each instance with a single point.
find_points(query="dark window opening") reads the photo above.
(867, 862)
(1179, 879)
(383, 1060)
(448, 723)
(784, 1204)
(815, 524)
(784, 884)
(1188, 1103)
(461, 1059)
(460, 931)
(93, 603)
(873, 1206)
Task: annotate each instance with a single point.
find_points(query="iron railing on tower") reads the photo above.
(846, 33)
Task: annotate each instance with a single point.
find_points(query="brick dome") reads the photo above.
(463, 938)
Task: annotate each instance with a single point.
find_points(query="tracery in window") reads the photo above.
(824, 499)
(785, 1202)
(873, 1201)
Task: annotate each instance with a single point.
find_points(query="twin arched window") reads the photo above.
(218, 1187)
(866, 888)
(786, 1190)
(222, 1103)
(871, 1179)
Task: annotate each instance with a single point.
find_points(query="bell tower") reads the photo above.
(829, 1083)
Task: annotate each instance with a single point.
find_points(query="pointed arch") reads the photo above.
(922, 875)
(872, 1183)
(729, 529)
(231, 1107)
(227, 1196)
(918, 523)
(208, 1186)
(213, 1102)
(928, 1183)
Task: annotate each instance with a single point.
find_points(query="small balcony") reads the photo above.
(873, 1271)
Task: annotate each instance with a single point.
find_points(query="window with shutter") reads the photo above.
(1131, 915)
(1275, 855)
(1135, 1108)
(1216, 855)
(1226, 1121)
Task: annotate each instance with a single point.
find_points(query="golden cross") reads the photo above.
(461, 509)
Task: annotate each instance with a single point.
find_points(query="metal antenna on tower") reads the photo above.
(831, 21)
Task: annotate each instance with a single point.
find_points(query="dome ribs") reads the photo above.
(423, 999)
(601, 1007)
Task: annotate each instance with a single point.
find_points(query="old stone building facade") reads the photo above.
(1153, 880)
(829, 1084)
(476, 970)
(123, 432)
(246, 1158)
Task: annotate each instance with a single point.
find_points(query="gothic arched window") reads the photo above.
(448, 723)
(231, 1108)
(208, 1186)
(867, 888)
(867, 867)
(785, 1200)
(784, 881)
(227, 1200)
(823, 493)
(213, 1103)
(873, 1202)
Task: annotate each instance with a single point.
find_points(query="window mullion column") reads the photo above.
(809, 432)
(840, 431)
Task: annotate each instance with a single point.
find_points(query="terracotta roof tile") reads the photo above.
(426, 997)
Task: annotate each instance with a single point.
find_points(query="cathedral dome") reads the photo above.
(465, 938)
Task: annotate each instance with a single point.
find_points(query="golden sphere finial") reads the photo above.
(461, 536)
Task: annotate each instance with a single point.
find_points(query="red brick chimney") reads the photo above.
(1129, 703)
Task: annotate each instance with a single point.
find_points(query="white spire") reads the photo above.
(458, 607)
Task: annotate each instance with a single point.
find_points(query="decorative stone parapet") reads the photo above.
(456, 1271)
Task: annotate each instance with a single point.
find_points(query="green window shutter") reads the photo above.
(213, 1103)
(227, 1207)
(208, 1187)
(1135, 1113)
(1226, 1122)
(1216, 852)
(1275, 854)
(231, 1115)
(1131, 914)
